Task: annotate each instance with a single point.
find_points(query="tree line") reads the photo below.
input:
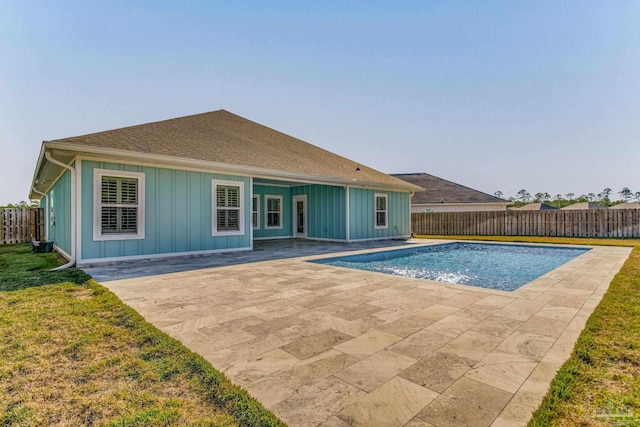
(22, 204)
(603, 198)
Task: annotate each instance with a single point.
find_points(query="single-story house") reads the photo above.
(206, 183)
(583, 206)
(535, 207)
(626, 205)
(440, 195)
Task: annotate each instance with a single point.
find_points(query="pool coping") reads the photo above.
(530, 289)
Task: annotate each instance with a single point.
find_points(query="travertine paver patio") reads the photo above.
(328, 346)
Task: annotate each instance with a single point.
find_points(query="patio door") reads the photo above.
(300, 217)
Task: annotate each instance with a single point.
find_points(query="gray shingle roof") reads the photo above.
(627, 205)
(438, 190)
(535, 207)
(223, 137)
(583, 205)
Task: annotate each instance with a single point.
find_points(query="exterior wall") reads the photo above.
(326, 211)
(178, 214)
(273, 233)
(362, 215)
(458, 207)
(60, 231)
(177, 211)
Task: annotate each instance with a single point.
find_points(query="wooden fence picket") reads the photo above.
(561, 223)
(21, 225)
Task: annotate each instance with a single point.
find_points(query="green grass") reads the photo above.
(74, 354)
(19, 269)
(600, 383)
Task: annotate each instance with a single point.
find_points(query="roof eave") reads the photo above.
(36, 173)
(227, 167)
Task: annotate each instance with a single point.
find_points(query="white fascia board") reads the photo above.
(36, 172)
(219, 166)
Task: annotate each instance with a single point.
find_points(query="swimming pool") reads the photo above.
(493, 266)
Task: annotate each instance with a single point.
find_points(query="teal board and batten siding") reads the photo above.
(326, 211)
(178, 214)
(362, 214)
(273, 233)
(60, 231)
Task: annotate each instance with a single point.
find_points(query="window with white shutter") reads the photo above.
(228, 218)
(118, 205)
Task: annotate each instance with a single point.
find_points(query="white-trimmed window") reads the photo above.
(118, 205)
(381, 210)
(255, 212)
(228, 216)
(52, 215)
(273, 211)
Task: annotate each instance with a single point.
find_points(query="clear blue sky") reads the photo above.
(540, 95)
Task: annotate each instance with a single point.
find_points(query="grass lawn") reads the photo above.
(600, 383)
(71, 353)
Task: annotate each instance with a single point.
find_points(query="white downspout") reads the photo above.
(72, 170)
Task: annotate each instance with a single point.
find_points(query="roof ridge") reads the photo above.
(144, 124)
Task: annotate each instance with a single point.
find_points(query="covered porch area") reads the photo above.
(327, 212)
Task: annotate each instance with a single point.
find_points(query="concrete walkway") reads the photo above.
(327, 346)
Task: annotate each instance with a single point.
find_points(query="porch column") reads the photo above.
(346, 192)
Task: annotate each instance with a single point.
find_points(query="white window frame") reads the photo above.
(97, 205)
(255, 202)
(214, 208)
(376, 211)
(266, 212)
(52, 212)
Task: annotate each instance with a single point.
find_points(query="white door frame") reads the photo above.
(300, 198)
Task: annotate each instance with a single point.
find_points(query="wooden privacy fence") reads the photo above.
(621, 223)
(21, 225)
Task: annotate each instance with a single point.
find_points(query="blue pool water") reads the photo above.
(502, 267)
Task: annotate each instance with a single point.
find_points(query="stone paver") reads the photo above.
(466, 403)
(367, 343)
(316, 344)
(315, 369)
(269, 391)
(502, 370)
(315, 404)
(373, 371)
(438, 370)
(392, 404)
(327, 346)
(420, 344)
